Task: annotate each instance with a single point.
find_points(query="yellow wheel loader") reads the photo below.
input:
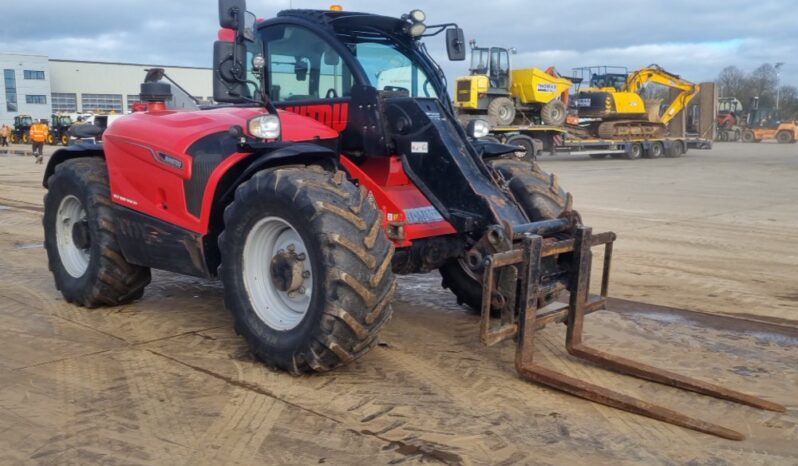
(507, 96)
(614, 101)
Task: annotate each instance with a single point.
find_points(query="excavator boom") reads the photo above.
(656, 74)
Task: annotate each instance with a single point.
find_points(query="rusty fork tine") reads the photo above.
(655, 374)
(579, 294)
(578, 306)
(617, 400)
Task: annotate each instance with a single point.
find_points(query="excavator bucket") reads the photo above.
(522, 317)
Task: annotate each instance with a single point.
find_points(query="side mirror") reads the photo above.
(230, 72)
(455, 44)
(231, 13)
(301, 69)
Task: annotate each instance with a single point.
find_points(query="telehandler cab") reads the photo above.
(334, 162)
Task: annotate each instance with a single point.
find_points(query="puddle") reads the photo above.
(28, 245)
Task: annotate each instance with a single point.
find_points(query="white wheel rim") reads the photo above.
(74, 259)
(280, 310)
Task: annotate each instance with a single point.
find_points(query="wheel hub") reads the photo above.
(80, 234)
(288, 270)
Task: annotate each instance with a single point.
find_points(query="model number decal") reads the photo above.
(583, 102)
(423, 215)
(419, 147)
(547, 88)
(125, 200)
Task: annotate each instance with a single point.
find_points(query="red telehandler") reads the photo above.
(333, 161)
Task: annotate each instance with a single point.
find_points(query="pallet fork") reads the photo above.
(520, 318)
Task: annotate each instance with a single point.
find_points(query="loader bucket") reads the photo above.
(526, 317)
(535, 86)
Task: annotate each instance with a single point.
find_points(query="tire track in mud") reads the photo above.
(254, 387)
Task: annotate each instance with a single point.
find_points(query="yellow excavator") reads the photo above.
(614, 101)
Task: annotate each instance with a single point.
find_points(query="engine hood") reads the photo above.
(178, 129)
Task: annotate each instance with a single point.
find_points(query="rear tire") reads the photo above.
(346, 268)
(501, 111)
(655, 150)
(784, 137)
(25, 138)
(80, 238)
(541, 197)
(553, 113)
(527, 143)
(675, 150)
(635, 152)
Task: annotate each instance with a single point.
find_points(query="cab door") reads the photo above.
(305, 75)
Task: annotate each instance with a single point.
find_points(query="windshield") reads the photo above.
(618, 81)
(389, 69)
(66, 121)
(25, 121)
(479, 61)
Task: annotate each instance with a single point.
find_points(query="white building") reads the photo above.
(39, 86)
(26, 87)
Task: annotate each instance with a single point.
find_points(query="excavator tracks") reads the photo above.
(623, 129)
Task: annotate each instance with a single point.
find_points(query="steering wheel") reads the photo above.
(331, 94)
(424, 87)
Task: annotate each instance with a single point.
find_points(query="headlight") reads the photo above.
(478, 128)
(418, 16)
(265, 127)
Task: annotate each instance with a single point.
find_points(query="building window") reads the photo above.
(36, 99)
(10, 80)
(132, 99)
(67, 103)
(32, 74)
(101, 102)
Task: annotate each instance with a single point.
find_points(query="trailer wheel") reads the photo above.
(748, 136)
(784, 137)
(541, 197)
(634, 152)
(306, 268)
(675, 150)
(80, 238)
(501, 111)
(553, 113)
(655, 150)
(527, 143)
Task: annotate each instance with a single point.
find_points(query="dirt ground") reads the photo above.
(166, 380)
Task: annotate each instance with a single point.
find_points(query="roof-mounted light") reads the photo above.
(418, 16)
(336, 8)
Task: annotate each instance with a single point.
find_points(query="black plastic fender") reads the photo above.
(71, 152)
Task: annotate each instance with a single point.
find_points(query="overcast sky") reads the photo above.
(694, 38)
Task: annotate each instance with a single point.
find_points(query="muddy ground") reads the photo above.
(166, 380)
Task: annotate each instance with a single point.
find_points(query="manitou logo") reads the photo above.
(332, 115)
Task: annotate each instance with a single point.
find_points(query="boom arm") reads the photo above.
(656, 74)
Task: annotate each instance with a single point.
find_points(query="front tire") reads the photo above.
(784, 137)
(80, 238)
(553, 113)
(501, 111)
(306, 268)
(541, 197)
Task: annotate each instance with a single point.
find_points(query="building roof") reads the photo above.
(130, 64)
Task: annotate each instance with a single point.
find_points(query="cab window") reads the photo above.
(389, 69)
(302, 66)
